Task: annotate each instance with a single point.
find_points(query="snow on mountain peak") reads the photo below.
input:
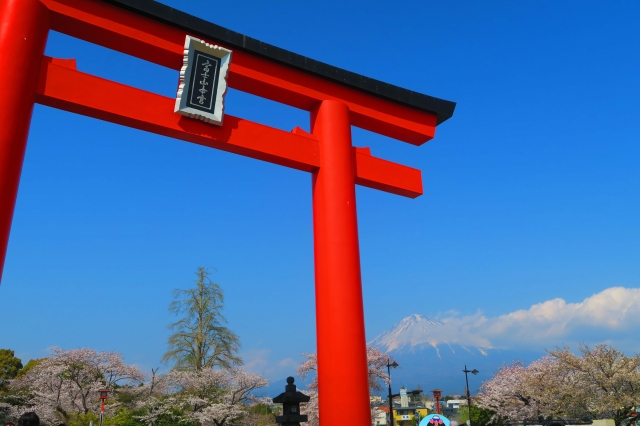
(416, 318)
(414, 330)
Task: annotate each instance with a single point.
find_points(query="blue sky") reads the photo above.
(532, 189)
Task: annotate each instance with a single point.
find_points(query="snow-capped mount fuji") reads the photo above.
(433, 353)
(416, 332)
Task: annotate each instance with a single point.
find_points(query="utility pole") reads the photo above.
(466, 375)
(394, 365)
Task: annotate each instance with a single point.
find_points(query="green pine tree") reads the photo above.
(9, 366)
(200, 339)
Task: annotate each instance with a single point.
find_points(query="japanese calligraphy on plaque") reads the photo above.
(203, 81)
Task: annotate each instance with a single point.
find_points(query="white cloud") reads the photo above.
(258, 360)
(287, 362)
(612, 313)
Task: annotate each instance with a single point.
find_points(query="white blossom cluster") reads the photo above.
(207, 396)
(601, 382)
(67, 383)
(69, 380)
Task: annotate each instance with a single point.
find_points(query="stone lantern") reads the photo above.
(290, 401)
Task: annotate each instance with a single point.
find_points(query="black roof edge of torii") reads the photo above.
(443, 109)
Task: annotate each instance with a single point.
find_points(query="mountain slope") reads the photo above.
(431, 353)
(417, 332)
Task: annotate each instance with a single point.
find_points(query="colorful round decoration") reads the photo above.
(435, 420)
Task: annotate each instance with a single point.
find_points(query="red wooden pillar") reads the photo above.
(342, 362)
(24, 25)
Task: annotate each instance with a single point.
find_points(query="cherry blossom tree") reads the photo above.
(205, 397)
(599, 383)
(378, 377)
(68, 381)
(606, 381)
(508, 395)
(153, 399)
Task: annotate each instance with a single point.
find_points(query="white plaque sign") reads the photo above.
(203, 81)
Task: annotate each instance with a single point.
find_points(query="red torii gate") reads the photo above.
(335, 98)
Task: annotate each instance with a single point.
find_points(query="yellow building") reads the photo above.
(411, 409)
(409, 416)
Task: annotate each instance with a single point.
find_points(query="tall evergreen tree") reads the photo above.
(200, 340)
(9, 366)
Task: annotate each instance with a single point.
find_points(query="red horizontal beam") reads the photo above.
(145, 38)
(62, 86)
(376, 173)
(65, 88)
